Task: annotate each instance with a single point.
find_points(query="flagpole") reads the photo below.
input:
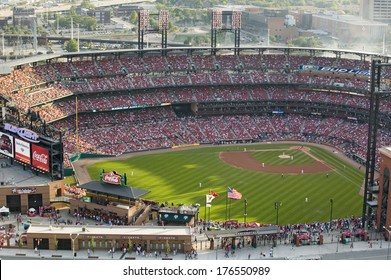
(226, 206)
(205, 212)
(77, 126)
(229, 210)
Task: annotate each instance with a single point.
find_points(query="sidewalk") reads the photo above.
(281, 251)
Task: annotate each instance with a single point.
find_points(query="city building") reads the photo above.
(21, 189)
(350, 29)
(376, 10)
(23, 16)
(103, 16)
(149, 238)
(282, 28)
(383, 212)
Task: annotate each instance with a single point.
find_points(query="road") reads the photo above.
(377, 254)
(8, 12)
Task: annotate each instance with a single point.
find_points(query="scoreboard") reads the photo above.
(31, 149)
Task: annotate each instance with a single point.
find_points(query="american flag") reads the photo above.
(234, 194)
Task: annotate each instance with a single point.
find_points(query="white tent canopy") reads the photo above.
(4, 210)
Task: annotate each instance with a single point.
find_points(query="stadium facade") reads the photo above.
(115, 102)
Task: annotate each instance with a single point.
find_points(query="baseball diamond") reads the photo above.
(245, 160)
(138, 105)
(185, 176)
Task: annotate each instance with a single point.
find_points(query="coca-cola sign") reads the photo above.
(111, 178)
(40, 157)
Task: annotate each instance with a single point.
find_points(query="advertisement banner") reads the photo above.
(6, 144)
(40, 157)
(22, 151)
(112, 178)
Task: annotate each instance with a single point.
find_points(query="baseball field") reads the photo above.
(302, 179)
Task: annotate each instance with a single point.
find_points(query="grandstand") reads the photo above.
(130, 102)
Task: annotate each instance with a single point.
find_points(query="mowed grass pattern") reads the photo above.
(175, 177)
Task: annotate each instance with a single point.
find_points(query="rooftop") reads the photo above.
(103, 230)
(351, 19)
(14, 175)
(386, 151)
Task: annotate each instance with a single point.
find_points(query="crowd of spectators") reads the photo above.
(151, 128)
(134, 72)
(110, 84)
(202, 94)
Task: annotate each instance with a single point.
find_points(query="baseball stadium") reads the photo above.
(285, 128)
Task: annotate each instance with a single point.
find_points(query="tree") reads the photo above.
(133, 17)
(307, 42)
(86, 4)
(71, 46)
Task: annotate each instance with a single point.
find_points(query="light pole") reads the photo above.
(39, 246)
(337, 241)
(19, 220)
(245, 211)
(217, 244)
(78, 38)
(389, 235)
(73, 237)
(331, 210)
(277, 206)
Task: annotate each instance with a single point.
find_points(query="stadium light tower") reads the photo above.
(378, 89)
(217, 26)
(236, 25)
(217, 23)
(144, 27)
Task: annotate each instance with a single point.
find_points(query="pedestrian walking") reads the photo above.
(249, 256)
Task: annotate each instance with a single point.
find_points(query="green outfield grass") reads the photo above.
(175, 176)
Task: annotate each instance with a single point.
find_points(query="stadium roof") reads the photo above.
(243, 232)
(114, 190)
(8, 66)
